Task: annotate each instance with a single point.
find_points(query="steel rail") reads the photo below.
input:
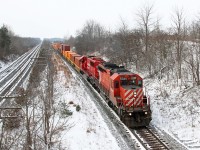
(19, 73)
(16, 62)
(15, 67)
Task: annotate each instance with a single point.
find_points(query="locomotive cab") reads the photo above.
(124, 93)
(127, 94)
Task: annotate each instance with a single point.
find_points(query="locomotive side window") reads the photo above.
(116, 84)
(140, 83)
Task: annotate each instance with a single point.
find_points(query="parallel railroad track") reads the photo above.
(13, 68)
(12, 76)
(4, 72)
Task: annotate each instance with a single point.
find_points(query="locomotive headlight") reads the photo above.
(134, 94)
(130, 114)
(146, 113)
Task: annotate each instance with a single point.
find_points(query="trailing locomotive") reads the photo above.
(122, 89)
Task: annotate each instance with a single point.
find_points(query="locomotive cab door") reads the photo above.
(114, 90)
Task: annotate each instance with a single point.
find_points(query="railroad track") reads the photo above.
(13, 68)
(149, 139)
(13, 75)
(4, 72)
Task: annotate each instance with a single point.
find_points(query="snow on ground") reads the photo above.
(176, 110)
(87, 127)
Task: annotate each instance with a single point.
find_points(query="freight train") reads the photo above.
(122, 89)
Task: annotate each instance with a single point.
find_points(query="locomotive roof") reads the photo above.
(115, 68)
(120, 70)
(95, 58)
(109, 65)
(89, 56)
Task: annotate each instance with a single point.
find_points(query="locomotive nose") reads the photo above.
(133, 97)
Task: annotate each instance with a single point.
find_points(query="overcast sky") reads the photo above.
(59, 18)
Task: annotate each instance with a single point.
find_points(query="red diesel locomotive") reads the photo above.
(122, 89)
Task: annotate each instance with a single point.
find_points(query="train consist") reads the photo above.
(122, 89)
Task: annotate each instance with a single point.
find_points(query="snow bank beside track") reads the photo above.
(176, 111)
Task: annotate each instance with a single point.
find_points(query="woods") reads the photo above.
(13, 44)
(148, 47)
(5, 41)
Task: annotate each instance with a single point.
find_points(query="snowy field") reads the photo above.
(176, 111)
(87, 129)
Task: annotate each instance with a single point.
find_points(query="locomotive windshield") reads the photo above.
(128, 82)
(123, 81)
(132, 82)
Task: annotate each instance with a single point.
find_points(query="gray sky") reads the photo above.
(59, 18)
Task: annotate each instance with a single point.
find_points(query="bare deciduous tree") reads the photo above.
(145, 16)
(91, 38)
(193, 59)
(178, 20)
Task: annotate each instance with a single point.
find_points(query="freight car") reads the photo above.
(122, 89)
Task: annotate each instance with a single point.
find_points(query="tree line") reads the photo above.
(174, 52)
(13, 44)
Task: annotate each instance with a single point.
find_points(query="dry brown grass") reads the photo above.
(59, 65)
